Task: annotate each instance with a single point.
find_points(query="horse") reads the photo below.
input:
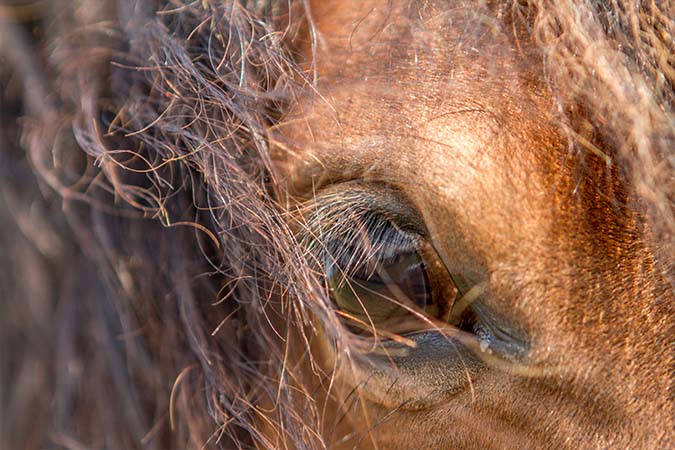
(337, 224)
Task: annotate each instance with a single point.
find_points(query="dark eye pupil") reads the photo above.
(382, 292)
(406, 276)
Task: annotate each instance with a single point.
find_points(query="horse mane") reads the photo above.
(148, 261)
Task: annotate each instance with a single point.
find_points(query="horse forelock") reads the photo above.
(179, 245)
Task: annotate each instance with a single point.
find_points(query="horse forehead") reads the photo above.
(415, 42)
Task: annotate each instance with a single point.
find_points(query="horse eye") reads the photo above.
(398, 288)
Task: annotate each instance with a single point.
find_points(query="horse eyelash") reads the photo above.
(365, 236)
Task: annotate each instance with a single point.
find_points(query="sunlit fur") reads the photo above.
(160, 169)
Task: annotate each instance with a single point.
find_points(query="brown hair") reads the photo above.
(148, 264)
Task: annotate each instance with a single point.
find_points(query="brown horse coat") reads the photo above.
(337, 224)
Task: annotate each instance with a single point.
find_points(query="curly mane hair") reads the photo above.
(154, 292)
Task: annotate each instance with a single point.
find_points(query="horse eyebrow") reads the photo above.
(368, 197)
